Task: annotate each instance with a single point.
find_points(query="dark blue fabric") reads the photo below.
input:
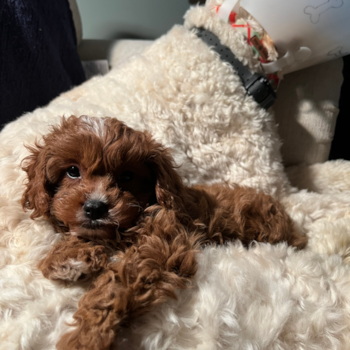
(341, 143)
(38, 55)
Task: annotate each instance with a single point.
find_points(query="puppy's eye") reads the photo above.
(126, 176)
(73, 172)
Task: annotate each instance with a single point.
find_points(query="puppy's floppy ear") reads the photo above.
(169, 188)
(37, 193)
(134, 146)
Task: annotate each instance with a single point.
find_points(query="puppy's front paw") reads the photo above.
(71, 270)
(73, 265)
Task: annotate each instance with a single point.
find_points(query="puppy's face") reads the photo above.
(93, 177)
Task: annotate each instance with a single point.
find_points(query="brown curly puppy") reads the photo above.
(126, 215)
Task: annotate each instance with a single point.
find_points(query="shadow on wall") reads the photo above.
(131, 35)
(132, 19)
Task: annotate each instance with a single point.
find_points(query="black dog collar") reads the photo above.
(255, 84)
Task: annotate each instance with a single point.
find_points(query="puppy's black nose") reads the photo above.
(95, 209)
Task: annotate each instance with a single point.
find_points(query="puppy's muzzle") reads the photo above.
(94, 209)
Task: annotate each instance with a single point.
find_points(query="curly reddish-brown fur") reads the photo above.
(142, 245)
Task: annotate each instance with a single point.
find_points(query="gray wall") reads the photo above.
(115, 19)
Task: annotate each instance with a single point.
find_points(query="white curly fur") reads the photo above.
(268, 297)
(264, 298)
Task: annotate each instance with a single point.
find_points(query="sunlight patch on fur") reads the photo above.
(95, 125)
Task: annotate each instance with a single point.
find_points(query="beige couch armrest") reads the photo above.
(306, 111)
